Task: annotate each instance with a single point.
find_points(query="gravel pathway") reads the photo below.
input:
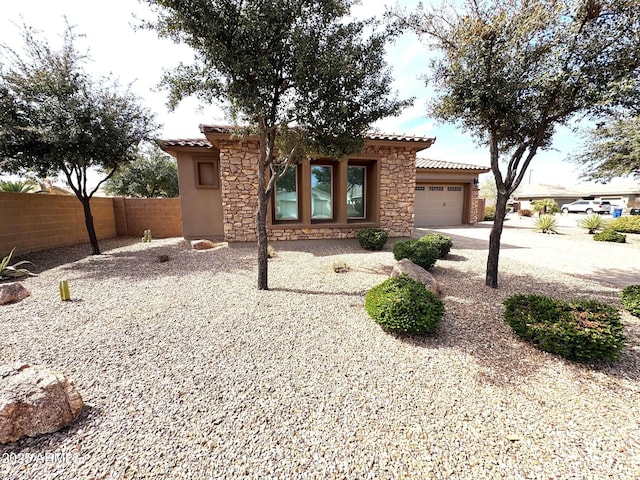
(189, 372)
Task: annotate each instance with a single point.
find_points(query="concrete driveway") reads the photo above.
(571, 251)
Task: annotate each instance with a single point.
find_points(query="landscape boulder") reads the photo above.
(419, 274)
(202, 244)
(35, 400)
(12, 292)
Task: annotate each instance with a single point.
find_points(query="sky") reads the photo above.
(138, 57)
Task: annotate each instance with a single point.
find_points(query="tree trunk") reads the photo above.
(88, 221)
(261, 231)
(494, 240)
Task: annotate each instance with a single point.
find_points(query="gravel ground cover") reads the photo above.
(187, 371)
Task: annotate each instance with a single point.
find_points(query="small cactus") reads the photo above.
(65, 295)
(147, 236)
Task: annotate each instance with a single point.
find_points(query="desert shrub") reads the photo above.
(630, 297)
(15, 270)
(592, 222)
(403, 305)
(630, 224)
(271, 252)
(546, 224)
(525, 212)
(442, 242)
(610, 235)
(403, 249)
(580, 330)
(490, 213)
(423, 254)
(372, 238)
(545, 206)
(340, 266)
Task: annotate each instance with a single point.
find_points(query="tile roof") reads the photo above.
(443, 165)
(185, 142)
(228, 129)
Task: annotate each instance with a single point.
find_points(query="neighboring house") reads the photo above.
(623, 195)
(316, 199)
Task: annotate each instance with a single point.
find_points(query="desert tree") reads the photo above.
(510, 72)
(301, 75)
(152, 174)
(56, 119)
(612, 149)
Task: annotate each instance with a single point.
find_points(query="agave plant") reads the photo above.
(12, 271)
(546, 224)
(592, 222)
(20, 186)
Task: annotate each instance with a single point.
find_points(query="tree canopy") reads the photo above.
(298, 73)
(54, 118)
(612, 150)
(510, 71)
(152, 174)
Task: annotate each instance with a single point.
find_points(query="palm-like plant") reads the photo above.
(592, 222)
(19, 186)
(546, 224)
(12, 271)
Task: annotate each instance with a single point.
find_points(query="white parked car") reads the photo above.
(587, 206)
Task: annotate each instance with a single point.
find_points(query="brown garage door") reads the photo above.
(439, 205)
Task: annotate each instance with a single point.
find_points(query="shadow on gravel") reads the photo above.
(616, 277)
(162, 260)
(316, 292)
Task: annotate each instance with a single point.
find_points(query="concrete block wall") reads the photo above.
(31, 222)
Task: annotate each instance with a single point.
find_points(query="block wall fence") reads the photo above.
(30, 222)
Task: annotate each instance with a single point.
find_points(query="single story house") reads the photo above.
(620, 194)
(319, 198)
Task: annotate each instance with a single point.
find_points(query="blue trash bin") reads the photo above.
(617, 213)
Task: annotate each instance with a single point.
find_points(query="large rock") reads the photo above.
(202, 244)
(35, 400)
(12, 293)
(419, 274)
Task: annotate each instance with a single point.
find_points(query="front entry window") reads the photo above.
(321, 192)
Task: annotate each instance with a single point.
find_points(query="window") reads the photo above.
(321, 192)
(420, 188)
(206, 174)
(454, 189)
(286, 195)
(436, 189)
(356, 197)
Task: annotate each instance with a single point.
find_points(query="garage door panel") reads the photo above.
(438, 205)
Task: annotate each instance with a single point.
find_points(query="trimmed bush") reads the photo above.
(580, 330)
(525, 212)
(546, 224)
(630, 224)
(609, 235)
(490, 213)
(592, 222)
(403, 305)
(630, 297)
(372, 238)
(421, 253)
(442, 242)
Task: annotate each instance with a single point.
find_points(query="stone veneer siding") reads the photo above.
(475, 193)
(239, 184)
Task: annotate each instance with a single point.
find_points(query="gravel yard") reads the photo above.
(187, 371)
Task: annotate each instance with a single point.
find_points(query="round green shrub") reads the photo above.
(489, 213)
(403, 248)
(372, 238)
(442, 242)
(403, 305)
(423, 254)
(580, 330)
(610, 236)
(630, 297)
(626, 224)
